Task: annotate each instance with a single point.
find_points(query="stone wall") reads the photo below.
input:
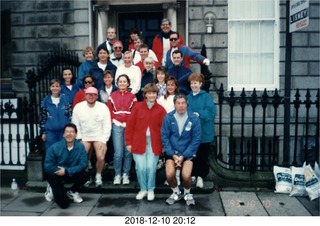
(40, 26)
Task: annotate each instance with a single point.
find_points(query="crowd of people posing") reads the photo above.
(124, 106)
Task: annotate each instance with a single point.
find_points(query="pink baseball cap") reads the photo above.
(91, 90)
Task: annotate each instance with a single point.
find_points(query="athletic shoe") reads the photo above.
(174, 197)
(98, 181)
(117, 180)
(189, 199)
(199, 183)
(48, 194)
(150, 196)
(74, 196)
(193, 180)
(87, 184)
(141, 195)
(125, 179)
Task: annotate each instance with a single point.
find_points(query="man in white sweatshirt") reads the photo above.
(93, 121)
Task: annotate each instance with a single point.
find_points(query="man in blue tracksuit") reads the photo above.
(181, 135)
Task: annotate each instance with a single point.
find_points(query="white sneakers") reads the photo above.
(141, 195)
(74, 196)
(48, 194)
(117, 180)
(199, 183)
(98, 180)
(125, 179)
(150, 196)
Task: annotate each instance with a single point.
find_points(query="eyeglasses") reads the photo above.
(173, 39)
(88, 82)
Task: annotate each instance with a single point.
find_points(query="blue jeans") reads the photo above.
(120, 151)
(146, 168)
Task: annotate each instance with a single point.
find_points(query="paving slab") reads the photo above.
(75, 209)
(28, 202)
(312, 206)
(278, 204)
(206, 205)
(242, 204)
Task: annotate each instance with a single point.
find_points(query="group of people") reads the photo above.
(124, 110)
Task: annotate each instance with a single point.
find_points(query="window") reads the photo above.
(253, 44)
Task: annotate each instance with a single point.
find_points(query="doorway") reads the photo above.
(148, 23)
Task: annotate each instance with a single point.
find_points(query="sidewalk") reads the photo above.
(228, 202)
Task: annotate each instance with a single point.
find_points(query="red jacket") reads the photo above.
(140, 119)
(157, 46)
(121, 104)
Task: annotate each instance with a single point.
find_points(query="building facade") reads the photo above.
(245, 40)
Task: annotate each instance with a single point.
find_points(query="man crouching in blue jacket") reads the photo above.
(66, 161)
(181, 134)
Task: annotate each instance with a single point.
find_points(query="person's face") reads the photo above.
(151, 96)
(133, 36)
(91, 98)
(161, 76)
(117, 47)
(195, 86)
(180, 105)
(69, 134)
(107, 79)
(111, 34)
(176, 57)
(103, 55)
(123, 83)
(143, 53)
(165, 27)
(67, 76)
(171, 87)
(88, 82)
(137, 43)
(148, 65)
(174, 41)
(127, 59)
(89, 56)
(55, 88)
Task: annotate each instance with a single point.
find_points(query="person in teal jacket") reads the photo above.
(201, 104)
(66, 161)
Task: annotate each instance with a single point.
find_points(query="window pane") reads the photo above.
(251, 9)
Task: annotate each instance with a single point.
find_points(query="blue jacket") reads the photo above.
(203, 104)
(73, 161)
(70, 93)
(185, 144)
(97, 73)
(187, 54)
(181, 73)
(83, 70)
(54, 117)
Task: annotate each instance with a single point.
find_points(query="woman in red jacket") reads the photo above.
(143, 139)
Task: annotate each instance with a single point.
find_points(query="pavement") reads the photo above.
(118, 203)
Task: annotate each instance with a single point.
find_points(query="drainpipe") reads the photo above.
(187, 23)
(90, 23)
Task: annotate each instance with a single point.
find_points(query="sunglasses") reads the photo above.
(116, 47)
(88, 82)
(173, 39)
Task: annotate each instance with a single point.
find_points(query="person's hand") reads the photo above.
(206, 62)
(60, 172)
(129, 147)
(43, 137)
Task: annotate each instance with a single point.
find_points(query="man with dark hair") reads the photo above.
(180, 72)
(181, 135)
(66, 161)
